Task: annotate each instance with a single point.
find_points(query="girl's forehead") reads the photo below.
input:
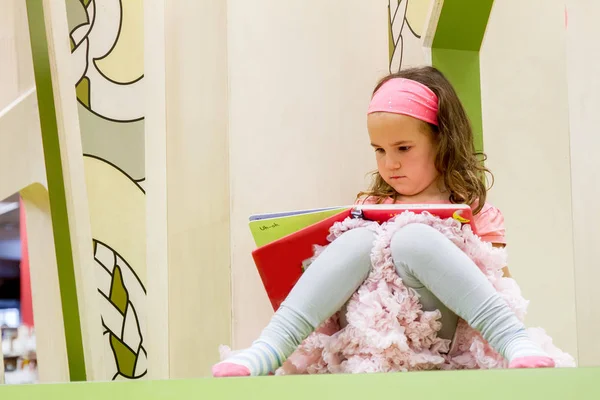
(395, 127)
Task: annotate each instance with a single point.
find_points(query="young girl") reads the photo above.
(424, 149)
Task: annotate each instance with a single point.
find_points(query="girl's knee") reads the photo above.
(357, 245)
(359, 238)
(415, 239)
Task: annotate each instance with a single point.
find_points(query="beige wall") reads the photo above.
(300, 78)
(583, 67)
(526, 125)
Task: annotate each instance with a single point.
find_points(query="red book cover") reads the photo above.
(280, 262)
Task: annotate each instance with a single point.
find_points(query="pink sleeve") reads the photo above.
(365, 200)
(373, 200)
(490, 225)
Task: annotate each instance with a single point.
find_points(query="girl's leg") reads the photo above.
(447, 279)
(321, 291)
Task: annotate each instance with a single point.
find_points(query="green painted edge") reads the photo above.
(455, 52)
(462, 24)
(547, 384)
(56, 189)
(462, 69)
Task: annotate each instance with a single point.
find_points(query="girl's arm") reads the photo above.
(505, 269)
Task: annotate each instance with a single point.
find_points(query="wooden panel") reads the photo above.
(197, 184)
(526, 125)
(22, 169)
(188, 189)
(75, 197)
(21, 153)
(157, 266)
(583, 63)
(45, 289)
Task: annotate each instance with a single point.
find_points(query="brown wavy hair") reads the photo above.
(462, 168)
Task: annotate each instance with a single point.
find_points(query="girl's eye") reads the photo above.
(404, 148)
(379, 151)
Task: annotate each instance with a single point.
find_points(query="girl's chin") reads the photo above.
(402, 189)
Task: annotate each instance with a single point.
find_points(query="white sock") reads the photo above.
(261, 358)
(278, 340)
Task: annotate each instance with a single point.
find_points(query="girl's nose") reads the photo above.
(392, 163)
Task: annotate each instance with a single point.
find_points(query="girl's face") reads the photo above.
(405, 153)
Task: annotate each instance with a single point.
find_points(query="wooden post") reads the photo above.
(187, 173)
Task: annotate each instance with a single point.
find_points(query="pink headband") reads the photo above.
(408, 97)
